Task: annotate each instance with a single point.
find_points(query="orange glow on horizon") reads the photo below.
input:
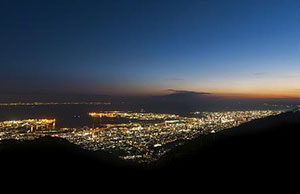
(259, 94)
(230, 94)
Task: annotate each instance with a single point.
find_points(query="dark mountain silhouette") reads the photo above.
(266, 147)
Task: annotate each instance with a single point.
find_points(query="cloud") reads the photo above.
(187, 92)
(259, 74)
(290, 76)
(275, 75)
(174, 79)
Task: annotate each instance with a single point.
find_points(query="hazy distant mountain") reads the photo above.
(178, 94)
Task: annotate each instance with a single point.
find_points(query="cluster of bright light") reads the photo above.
(133, 115)
(105, 114)
(148, 116)
(27, 122)
(24, 129)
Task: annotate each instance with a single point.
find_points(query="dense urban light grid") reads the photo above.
(144, 138)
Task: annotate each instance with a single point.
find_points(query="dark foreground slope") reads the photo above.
(266, 146)
(263, 147)
(55, 154)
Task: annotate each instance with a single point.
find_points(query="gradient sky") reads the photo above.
(239, 48)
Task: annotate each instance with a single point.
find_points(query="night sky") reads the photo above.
(143, 47)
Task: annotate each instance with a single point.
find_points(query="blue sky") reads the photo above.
(146, 47)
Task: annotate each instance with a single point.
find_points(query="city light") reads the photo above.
(52, 103)
(143, 137)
